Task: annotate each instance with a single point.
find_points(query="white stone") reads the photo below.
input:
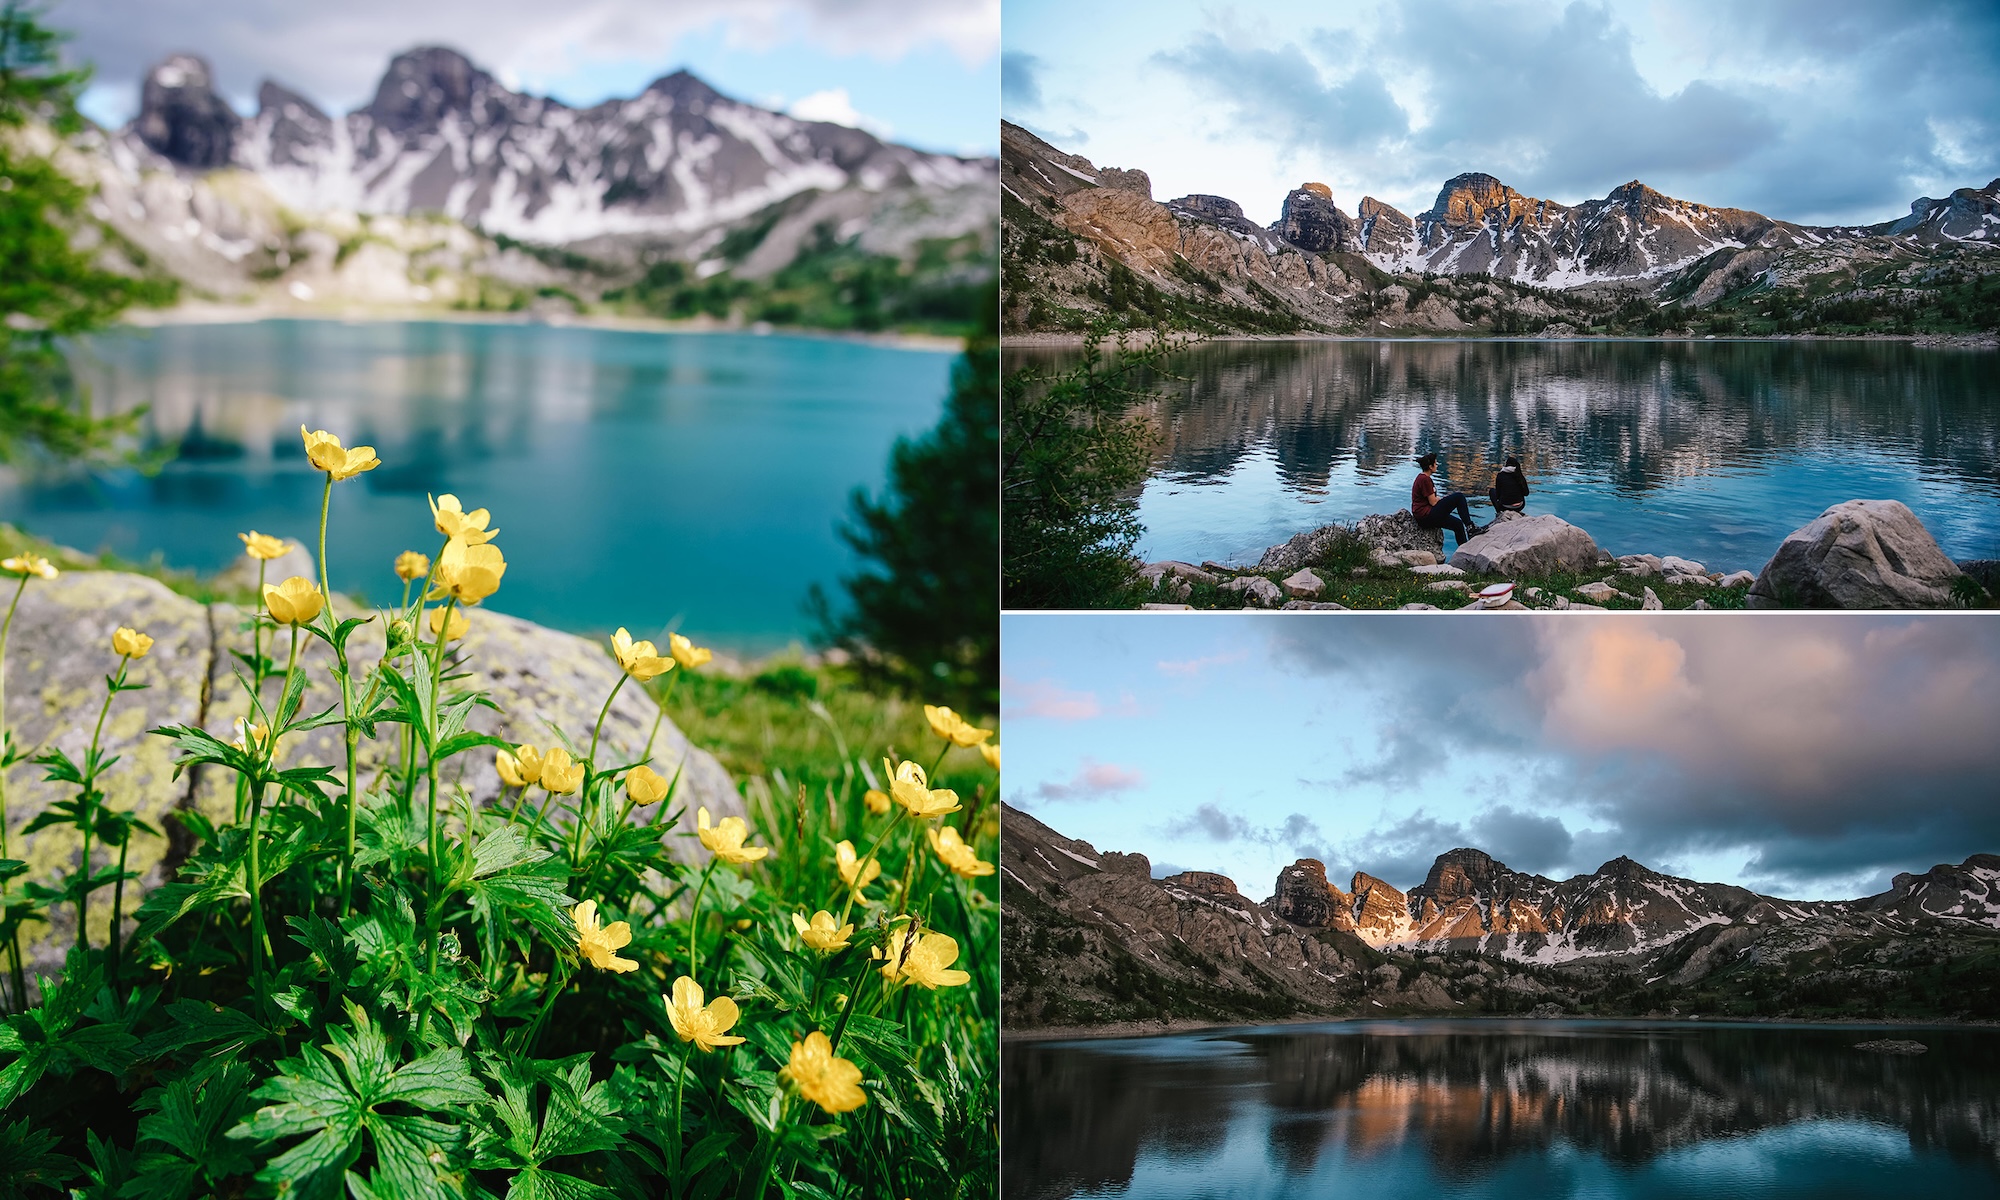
(1418, 608)
(1736, 579)
(1313, 606)
(1262, 592)
(1530, 546)
(1675, 565)
(1690, 580)
(1858, 554)
(1441, 570)
(1166, 608)
(1447, 585)
(1304, 585)
(1598, 592)
(1650, 602)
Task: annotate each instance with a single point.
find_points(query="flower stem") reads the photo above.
(88, 813)
(118, 915)
(861, 868)
(6, 750)
(694, 915)
(258, 946)
(590, 771)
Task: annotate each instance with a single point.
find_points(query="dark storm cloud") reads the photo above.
(1836, 748)
(1299, 835)
(1822, 112)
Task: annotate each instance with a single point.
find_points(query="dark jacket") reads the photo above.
(1510, 488)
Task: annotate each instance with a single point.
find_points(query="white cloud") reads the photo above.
(833, 105)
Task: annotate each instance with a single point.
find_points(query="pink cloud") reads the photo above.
(1093, 781)
(1052, 701)
(1189, 668)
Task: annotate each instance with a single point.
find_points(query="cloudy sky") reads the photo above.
(1808, 110)
(1808, 756)
(925, 72)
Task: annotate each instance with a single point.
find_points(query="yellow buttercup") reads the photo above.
(293, 602)
(961, 858)
(457, 524)
(598, 943)
(822, 933)
(263, 545)
(640, 660)
(130, 643)
(823, 1077)
(328, 455)
(703, 1024)
(725, 839)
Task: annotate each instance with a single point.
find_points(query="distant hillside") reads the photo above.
(449, 190)
(1082, 244)
(1091, 937)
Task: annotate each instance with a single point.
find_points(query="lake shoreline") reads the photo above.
(232, 314)
(1146, 1029)
(1928, 341)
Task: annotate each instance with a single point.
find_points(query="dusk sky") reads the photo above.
(924, 72)
(1827, 111)
(1808, 756)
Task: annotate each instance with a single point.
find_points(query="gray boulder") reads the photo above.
(1530, 546)
(1858, 554)
(1261, 591)
(1303, 549)
(1399, 531)
(60, 651)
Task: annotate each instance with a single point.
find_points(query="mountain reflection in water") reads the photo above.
(1502, 1109)
(1712, 450)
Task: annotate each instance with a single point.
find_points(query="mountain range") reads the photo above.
(448, 184)
(1093, 936)
(1083, 242)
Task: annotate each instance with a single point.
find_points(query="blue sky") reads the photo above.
(1810, 756)
(1807, 110)
(924, 72)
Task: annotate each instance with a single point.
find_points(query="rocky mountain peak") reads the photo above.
(182, 118)
(684, 87)
(1311, 221)
(423, 86)
(1460, 872)
(1624, 868)
(1318, 189)
(1220, 209)
(1467, 199)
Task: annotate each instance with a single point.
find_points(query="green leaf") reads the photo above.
(505, 850)
(202, 1023)
(28, 1161)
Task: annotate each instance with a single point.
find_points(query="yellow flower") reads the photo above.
(852, 872)
(991, 753)
(877, 802)
(457, 627)
(725, 840)
(262, 545)
(559, 774)
(31, 564)
(509, 767)
(686, 653)
(704, 1025)
(640, 660)
(924, 959)
(459, 525)
(130, 643)
(822, 1077)
(470, 572)
(293, 602)
(411, 566)
(531, 762)
(326, 453)
(954, 728)
(247, 733)
(598, 943)
(645, 786)
(911, 788)
(961, 858)
(821, 933)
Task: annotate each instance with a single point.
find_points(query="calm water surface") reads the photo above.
(640, 479)
(1710, 450)
(1531, 1110)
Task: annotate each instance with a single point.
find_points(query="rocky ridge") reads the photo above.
(1482, 258)
(449, 188)
(1091, 937)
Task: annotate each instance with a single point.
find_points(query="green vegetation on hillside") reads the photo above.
(51, 287)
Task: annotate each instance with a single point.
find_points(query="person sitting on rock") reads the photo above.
(1435, 512)
(1510, 488)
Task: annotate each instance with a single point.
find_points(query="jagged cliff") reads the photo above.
(1091, 936)
(1082, 243)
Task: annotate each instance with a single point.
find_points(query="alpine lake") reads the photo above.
(1712, 450)
(1504, 1110)
(692, 481)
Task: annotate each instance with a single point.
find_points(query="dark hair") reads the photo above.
(1427, 461)
(1513, 462)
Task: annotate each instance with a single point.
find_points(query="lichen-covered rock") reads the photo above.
(1859, 554)
(1303, 548)
(1303, 585)
(1399, 531)
(1536, 545)
(60, 652)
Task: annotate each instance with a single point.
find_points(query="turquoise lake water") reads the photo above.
(1709, 450)
(1525, 1110)
(652, 480)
